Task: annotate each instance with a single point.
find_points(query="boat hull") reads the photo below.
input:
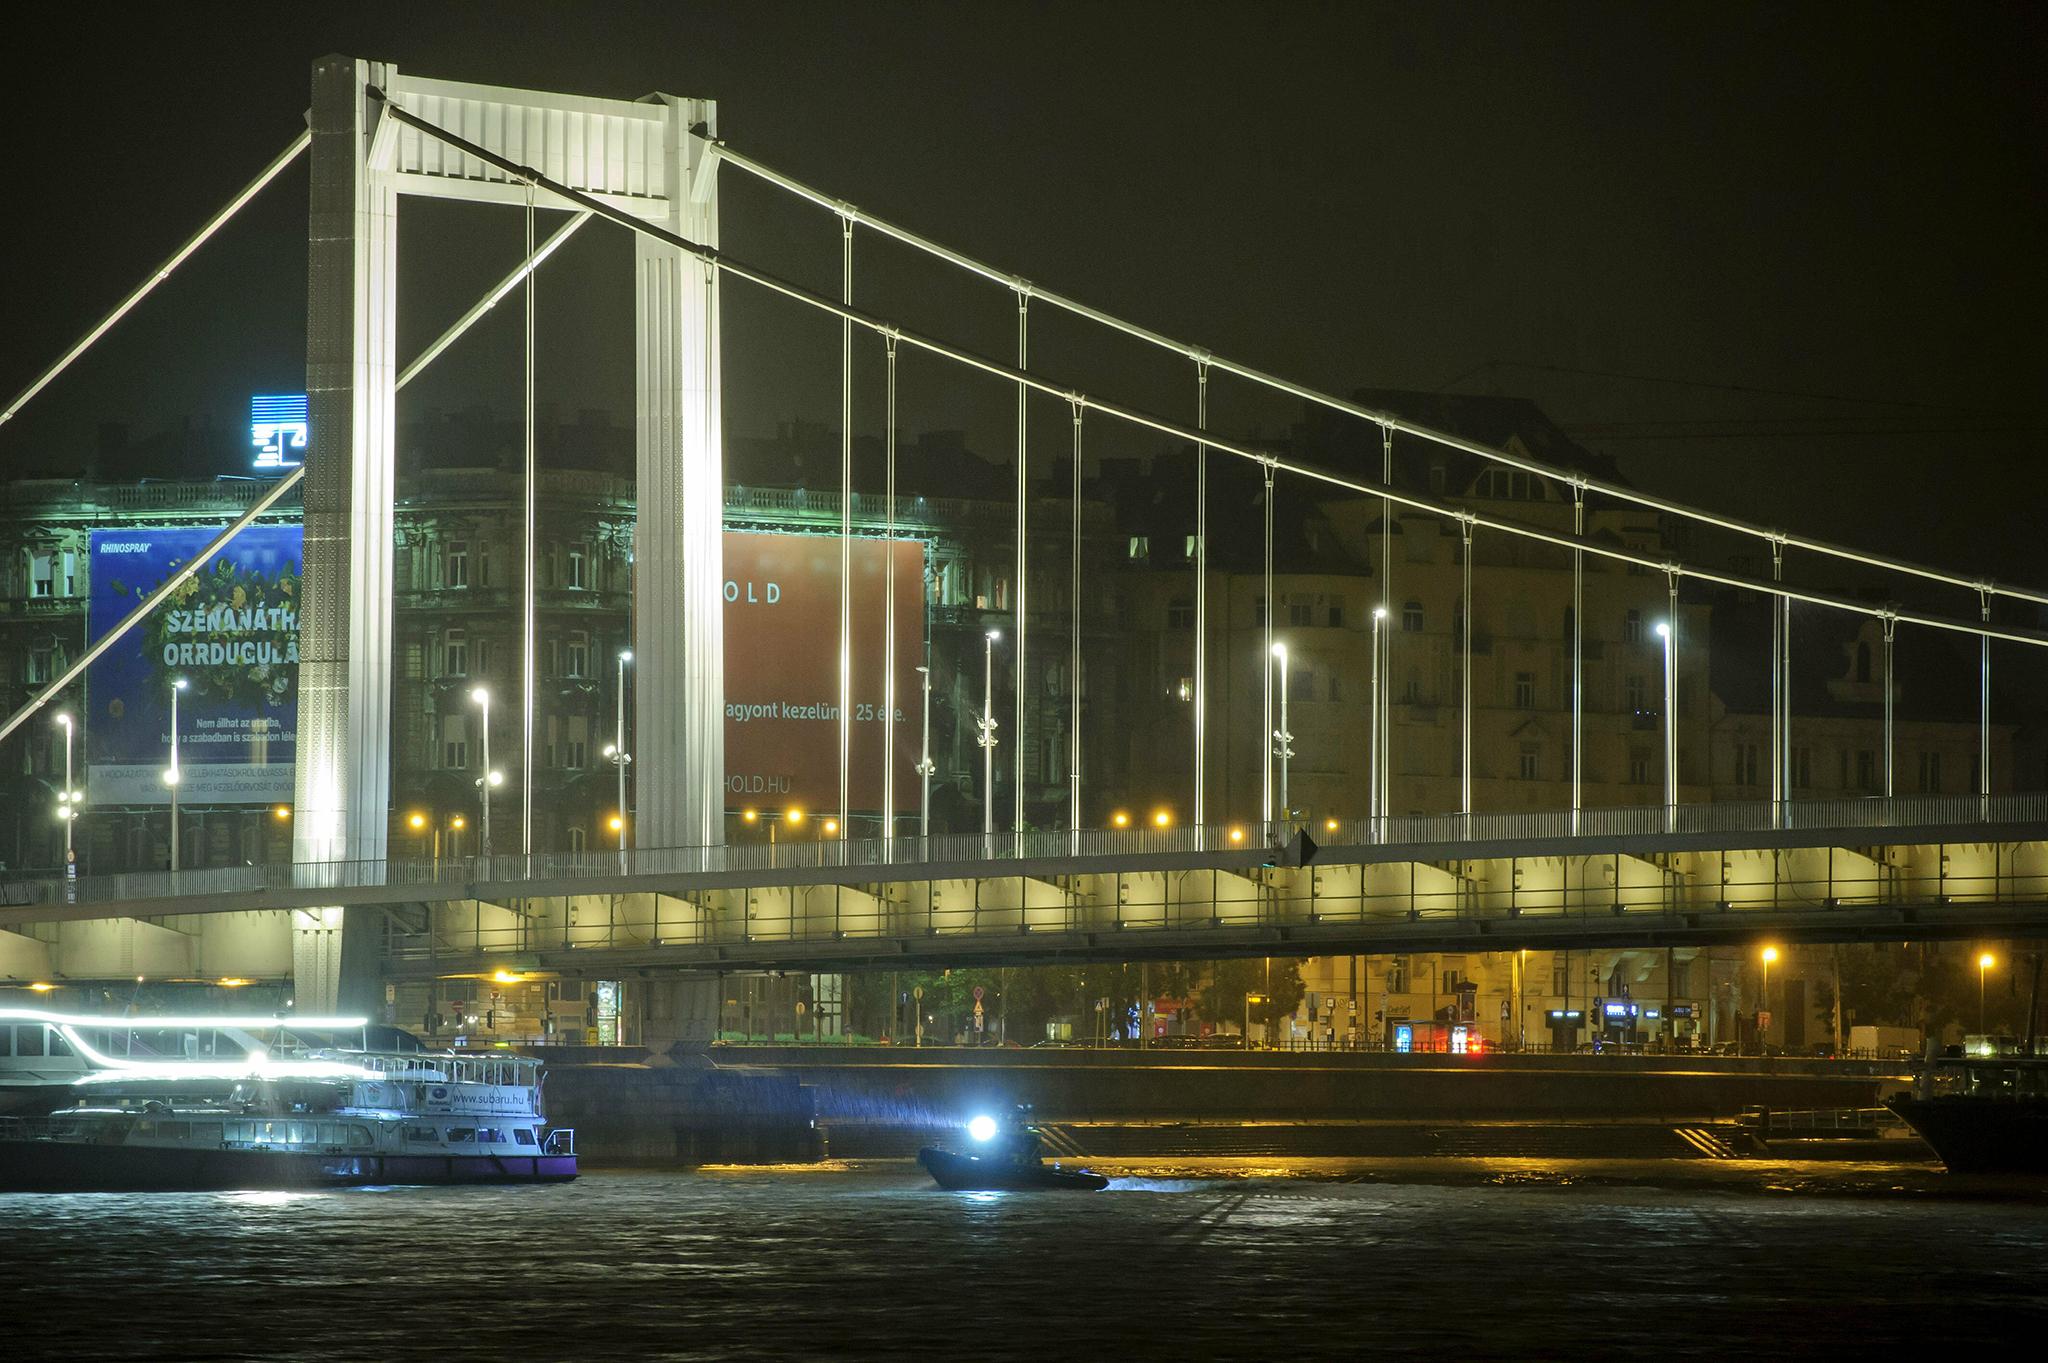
(1980, 1137)
(68, 1166)
(968, 1174)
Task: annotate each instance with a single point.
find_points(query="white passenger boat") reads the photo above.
(224, 1102)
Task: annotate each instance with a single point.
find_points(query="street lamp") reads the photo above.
(616, 753)
(1668, 632)
(67, 799)
(172, 774)
(1375, 797)
(1281, 737)
(1770, 954)
(925, 768)
(987, 740)
(482, 697)
(1249, 1000)
(1984, 962)
(418, 823)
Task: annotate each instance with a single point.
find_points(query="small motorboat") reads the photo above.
(973, 1174)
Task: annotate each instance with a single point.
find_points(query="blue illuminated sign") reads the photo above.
(1404, 1038)
(231, 632)
(278, 429)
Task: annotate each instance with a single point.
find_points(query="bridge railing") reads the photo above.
(915, 858)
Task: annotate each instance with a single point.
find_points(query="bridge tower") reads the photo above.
(652, 157)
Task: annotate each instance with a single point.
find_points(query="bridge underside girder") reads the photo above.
(1488, 904)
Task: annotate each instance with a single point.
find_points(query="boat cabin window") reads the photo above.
(28, 1041)
(458, 1134)
(521, 1136)
(209, 1132)
(6, 1041)
(422, 1133)
(490, 1136)
(58, 1045)
(357, 1136)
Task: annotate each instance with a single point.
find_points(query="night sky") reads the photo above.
(1825, 220)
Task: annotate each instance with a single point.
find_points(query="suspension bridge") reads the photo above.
(674, 895)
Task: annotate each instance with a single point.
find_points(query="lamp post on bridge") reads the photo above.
(1667, 632)
(987, 740)
(615, 753)
(67, 800)
(173, 774)
(925, 767)
(1282, 738)
(490, 778)
(1770, 954)
(1984, 962)
(1376, 766)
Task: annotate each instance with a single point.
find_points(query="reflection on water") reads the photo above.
(1180, 1259)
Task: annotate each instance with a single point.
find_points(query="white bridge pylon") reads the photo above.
(650, 158)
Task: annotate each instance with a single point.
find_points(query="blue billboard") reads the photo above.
(231, 632)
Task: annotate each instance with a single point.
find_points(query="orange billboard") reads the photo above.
(782, 671)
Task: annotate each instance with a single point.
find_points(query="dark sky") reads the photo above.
(1563, 201)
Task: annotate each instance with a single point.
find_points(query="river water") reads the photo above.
(1283, 1259)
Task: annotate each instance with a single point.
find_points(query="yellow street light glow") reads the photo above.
(281, 813)
(749, 815)
(42, 986)
(1330, 825)
(794, 816)
(232, 982)
(503, 976)
(831, 825)
(1770, 954)
(1120, 819)
(1237, 835)
(1986, 961)
(616, 823)
(1161, 818)
(418, 821)
(458, 822)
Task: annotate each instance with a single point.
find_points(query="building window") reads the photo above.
(1560, 978)
(1930, 773)
(455, 572)
(579, 567)
(1259, 611)
(576, 747)
(1300, 614)
(36, 667)
(577, 654)
(1802, 768)
(1180, 613)
(1745, 764)
(1139, 547)
(1866, 770)
(1411, 618)
(455, 653)
(455, 741)
(1301, 684)
(1632, 628)
(1412, 692)
(1525, 690)
(1336, 688)
(1452, 979)
(1639, 768)
(1336, 617)
(41, 575)
(578, 840)
(1187, 548)
(1512, 485)
(1184, 689)
(483, 656)
(1397, 974)
(1635, 695)
(1531, 767)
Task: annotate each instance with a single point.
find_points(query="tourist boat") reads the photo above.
(287, 1114)
(1983, 1112)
